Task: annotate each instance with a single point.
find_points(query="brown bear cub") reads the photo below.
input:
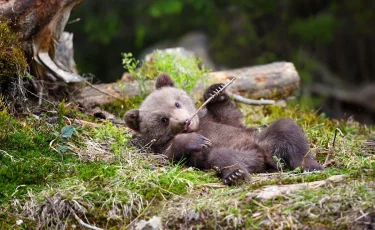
(216, 138)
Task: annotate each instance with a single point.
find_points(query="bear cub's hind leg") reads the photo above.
(285, 140)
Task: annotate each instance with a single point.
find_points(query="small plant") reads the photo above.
(185, 70)
(61, 113)
(130, 64)
(108, 132)
(63, 136)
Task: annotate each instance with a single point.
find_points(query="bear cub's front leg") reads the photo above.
(213, 89)
(221, 109)
(183, 145)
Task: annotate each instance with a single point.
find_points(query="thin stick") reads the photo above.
(81, 221)
(248, 101)
(108, 94)
(217, 92)
(82, 122)
(330, 150)
(53, 105)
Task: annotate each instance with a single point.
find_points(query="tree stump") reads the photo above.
(39, 25)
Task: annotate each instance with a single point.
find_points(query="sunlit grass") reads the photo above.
(110, 182)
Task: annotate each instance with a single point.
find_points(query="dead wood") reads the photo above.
(275, 80)
(363, 96)
(271, 192)
(39, 26)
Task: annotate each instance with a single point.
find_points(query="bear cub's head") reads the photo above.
(164, 113)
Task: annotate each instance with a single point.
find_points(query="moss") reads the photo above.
(12, 59)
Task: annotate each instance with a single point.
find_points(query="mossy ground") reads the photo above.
(100, 174)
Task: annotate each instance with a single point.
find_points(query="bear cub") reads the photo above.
(216, 138)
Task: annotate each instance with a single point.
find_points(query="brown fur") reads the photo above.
(216, 138)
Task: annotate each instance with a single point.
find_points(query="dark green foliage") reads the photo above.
(241, 33)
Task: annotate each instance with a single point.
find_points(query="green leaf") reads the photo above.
(62, 148)
(29, 76)
(67, 131)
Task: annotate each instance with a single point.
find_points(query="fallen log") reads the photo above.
(363, 96)
(272, 81)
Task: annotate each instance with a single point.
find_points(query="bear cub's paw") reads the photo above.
(193, 142)
(310, 165)
(213, 89)
(234, 177)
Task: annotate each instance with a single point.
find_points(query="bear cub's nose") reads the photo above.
(187, 124)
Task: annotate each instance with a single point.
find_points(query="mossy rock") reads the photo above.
(12, 59)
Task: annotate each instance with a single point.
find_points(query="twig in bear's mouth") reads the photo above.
(217, 92)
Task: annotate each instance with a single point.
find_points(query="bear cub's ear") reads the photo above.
(163, 80)
(132, 119)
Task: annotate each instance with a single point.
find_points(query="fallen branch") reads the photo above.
(363, 96)
(248, 101)
(271, 192)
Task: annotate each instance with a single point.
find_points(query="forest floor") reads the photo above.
(57, 165)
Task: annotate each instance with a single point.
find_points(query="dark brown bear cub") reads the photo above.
(216, 137)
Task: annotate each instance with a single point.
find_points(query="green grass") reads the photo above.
(110, 183)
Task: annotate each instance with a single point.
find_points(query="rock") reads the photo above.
(153, 224)
(193, 42)
(197, 43)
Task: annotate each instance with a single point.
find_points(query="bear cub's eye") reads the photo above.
(178, 105)
(164, 120)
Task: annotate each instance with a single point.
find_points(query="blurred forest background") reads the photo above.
(331, 42)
